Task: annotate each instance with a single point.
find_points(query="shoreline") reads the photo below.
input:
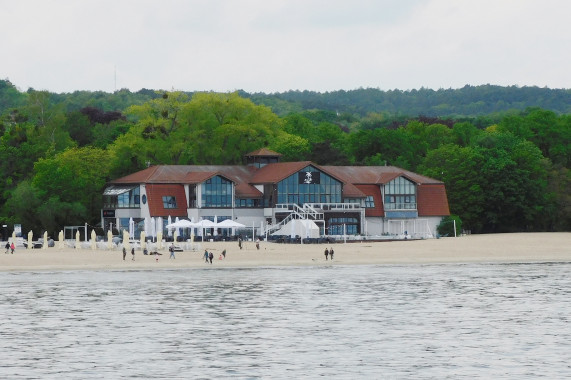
(489, 248)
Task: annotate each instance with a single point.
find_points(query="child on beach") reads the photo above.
(133, 253)
(12, 247)
(7, 247)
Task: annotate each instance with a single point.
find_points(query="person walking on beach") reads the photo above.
(133, 253)
(211, 256)
(258, 244)
(124, 253)
(171, 250)
(12, 247)
(205, 256)
(224, 253)
(7, 247)
(326, 254)
(331, 253)
(240, 242)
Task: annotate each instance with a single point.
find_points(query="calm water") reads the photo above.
(365, 322)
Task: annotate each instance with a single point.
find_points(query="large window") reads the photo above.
(400, 194)
(117, 197)
(217, 192)
(343, 226)
(315, 187)
(169, 201)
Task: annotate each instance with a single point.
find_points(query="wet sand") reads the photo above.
(516, 247)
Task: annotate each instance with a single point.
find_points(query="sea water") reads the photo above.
(453, 321)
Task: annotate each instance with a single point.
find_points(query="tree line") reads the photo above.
(504, 172)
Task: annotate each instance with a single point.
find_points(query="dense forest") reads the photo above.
(503, 152)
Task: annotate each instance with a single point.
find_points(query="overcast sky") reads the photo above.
(279, 45)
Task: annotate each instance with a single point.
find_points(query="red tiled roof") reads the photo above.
(188, 174)
(432, 200)
(375, 174)
(352, 191)
(273, 173)
(155, 193)
(244, 190)
(263, 152)
(375, 192)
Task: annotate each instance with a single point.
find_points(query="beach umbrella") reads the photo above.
(77, 241)
(153, 227)
(215, 222)
(229, 223)
(169, 222)
(143, 241)
(30, 236)
(160, 240)
(205, 223)
(131, 227)
(45, 245)
(160, 227)
(147, 226)
(109, 239)
(126, 240)
(60, 240)
(93, 240)
(177, 230)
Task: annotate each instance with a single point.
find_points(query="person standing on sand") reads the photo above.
(205, 256)
(258, 244)
(124, 253)
(133, 253)
(211, 256)
(12, 247)
(326, 254)
(7, 247)
(240, 242)
(171, 250)
(331, 253)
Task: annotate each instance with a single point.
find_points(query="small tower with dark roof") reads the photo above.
(261, 157)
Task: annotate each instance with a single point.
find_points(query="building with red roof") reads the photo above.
(264, 194)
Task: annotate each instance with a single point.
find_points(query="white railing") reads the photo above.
(400, 206)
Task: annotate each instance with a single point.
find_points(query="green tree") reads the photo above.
(460, 169)
(71, 181)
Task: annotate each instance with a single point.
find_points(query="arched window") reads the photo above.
(400, 194)
(217, 192)
(309, 186)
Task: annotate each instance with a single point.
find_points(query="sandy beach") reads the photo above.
(516, 247)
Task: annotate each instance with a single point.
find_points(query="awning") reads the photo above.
(116, 190)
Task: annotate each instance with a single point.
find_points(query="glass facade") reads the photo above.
(341, 226)
(216, 192)
(294, 190)
(126, 199)
(400, 194)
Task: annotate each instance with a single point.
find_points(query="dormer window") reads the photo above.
(400, 194)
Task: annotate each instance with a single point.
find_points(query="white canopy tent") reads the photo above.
(299, 227)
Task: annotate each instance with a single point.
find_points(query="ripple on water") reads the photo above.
(424, 321)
